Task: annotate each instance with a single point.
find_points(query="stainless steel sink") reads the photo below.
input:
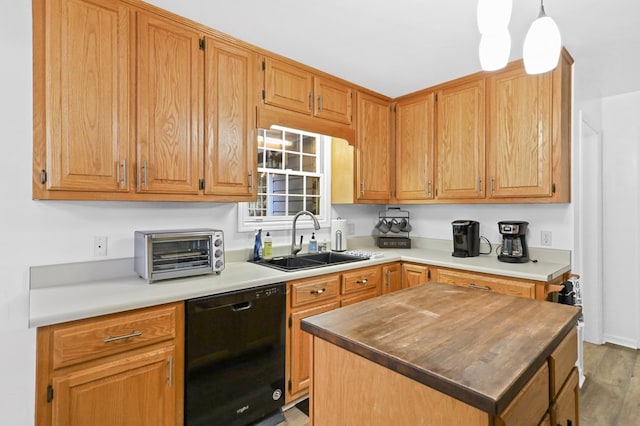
(307, 261)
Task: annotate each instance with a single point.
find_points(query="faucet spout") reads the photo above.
(295, 248)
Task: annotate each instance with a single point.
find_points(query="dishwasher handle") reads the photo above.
(242, 306)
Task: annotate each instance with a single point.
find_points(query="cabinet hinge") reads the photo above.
(553, 188)
(49, 393)
(290, 322)
(43, 176)
(201, 184)
(201, 44)
(289, 385)
(264, 95)
(264, 65)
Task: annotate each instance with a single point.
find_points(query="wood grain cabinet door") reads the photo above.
(460, 140)
(332, 100)
(415, 126)
(414, 275)
(287, 86)
(373, 149)
(230, 139)
(391, 278)
(169, 106)
(519, 134)
(86, 105)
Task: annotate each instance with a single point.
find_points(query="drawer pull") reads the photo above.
(322, 290)
(126, 336)
(480, 287)
(363, 281)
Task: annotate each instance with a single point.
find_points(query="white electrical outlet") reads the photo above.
(100, 246)
(545, 238)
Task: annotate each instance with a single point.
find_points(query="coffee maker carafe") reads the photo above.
(514, 244)
(466, 238)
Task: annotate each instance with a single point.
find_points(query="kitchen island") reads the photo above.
(441, 354)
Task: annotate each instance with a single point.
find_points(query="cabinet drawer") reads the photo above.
(562, 360)
(530, 403)
(314, 289)
(95, 338)
(488, 283)
(362, 279)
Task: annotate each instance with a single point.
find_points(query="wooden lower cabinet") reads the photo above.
(391, 278)
(565, 409)
(119, 369)
(414, 274)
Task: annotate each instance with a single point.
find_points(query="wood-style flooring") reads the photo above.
(610, 395)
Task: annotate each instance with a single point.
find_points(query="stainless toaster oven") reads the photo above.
(161, 255)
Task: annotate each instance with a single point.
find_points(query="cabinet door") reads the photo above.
(299, 375)
(132, 391)
(415, 126)
(332, 100)
(230, 139)
(373, 149)
(460, 141)
(414, 275)
(391, 278)
(564, 411)
(169, 99)
(519, 134)
(287, 86)
(86, 107)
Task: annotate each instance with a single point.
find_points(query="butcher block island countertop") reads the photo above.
(475, 349)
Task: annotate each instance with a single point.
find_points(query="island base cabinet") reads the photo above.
(357, 391)
(565, 410)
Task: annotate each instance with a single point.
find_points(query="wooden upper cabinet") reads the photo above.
(83, 144)
(229, 108)
(169, 106)
(415, 129)
(373, 149)
(332, 100)
(460, 140)
(518, 134)
(287, 86)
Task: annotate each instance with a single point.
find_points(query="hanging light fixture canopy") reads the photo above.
(542, 45)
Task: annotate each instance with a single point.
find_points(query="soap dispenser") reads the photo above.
(313, 243)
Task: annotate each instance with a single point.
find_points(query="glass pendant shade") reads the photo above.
(494, 50)
(493, 15)
(542, 45)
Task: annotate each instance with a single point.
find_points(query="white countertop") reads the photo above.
(61, 293)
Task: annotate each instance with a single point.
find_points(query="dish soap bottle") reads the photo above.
(268, 246)
(313, 243)
(257, 245)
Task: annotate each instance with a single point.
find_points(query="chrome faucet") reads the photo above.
(295, 248)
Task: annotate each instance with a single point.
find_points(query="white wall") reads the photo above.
(621, 180)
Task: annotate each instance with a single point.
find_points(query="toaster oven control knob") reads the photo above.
(219, 264)
(217, 243)
(218, 253)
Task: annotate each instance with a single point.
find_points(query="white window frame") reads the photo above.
(251, 223)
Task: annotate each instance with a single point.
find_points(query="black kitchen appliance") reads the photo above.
(514, 242)
(466, 238)
(235, 357)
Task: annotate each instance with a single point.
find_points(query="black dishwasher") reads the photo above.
(234, 356)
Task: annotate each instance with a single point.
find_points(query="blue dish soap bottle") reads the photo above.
(313, 243)
(257, 246)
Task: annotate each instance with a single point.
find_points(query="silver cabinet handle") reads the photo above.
(322, 290)
(388, 279)
(320, 103)
(480, 287)
(170, 371)
(310, 101)
(126, 336)
(251, 180)
(479, 185)
(491, 185)
(124, 172)
(362, 281)
(144, 173)
(428, 187)
(362, 187)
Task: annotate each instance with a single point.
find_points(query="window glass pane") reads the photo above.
(273, 159)
(296, 204)
(259, 208)
(278, 205)
(273, 138)
(313, 205)
(292, 162)
(309, 163)
(278, 184)
(261, 158)
(262, 183)
(296, 185)
(292, 142)
(308, 144)
(313, 185)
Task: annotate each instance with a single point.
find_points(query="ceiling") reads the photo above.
(400, 46)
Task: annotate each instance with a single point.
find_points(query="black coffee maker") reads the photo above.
(514, 243)
(466, 238)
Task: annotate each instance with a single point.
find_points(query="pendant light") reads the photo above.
(495, 43)
(542, 45)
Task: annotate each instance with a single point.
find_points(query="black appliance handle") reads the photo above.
(242, 306)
